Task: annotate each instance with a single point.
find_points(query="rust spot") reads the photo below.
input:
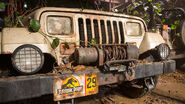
(67, 50)
(130, 77)
(79, 67)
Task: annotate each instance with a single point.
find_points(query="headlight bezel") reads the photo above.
(163, 51)
(19, 49)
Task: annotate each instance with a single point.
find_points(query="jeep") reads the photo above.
(77, 50)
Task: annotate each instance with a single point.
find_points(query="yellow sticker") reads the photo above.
(91, 84)
(70, 87)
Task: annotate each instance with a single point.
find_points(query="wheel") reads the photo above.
(182, 31)
(138, 88)
(180, 63)
(182, 67)
(179, 41)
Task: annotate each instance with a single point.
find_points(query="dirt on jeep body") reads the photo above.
(170, 90)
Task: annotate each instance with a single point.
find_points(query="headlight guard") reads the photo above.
(27, 59)
(163, 51)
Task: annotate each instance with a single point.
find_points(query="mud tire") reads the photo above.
(182, 31)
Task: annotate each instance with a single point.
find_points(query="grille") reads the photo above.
(81, 31)
(108, 29)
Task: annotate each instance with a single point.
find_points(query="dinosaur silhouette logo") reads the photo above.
(70, 86)
(70, 82)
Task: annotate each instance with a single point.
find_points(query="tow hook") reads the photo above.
(149, 83)
(130, 73)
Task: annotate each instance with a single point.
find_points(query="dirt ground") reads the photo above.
(170, 90)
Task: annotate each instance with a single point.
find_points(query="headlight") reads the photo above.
(163, 51)
(27, 59)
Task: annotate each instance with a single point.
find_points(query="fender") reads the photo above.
(150, 41)
(14, 37)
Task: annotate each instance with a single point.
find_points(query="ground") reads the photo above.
(170, 90)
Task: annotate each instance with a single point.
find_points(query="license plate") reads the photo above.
(75, 86)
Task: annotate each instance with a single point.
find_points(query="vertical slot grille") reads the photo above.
(81, 31)
(89, 30)
(102, 24)
(96, 31)
(115, 32)
(121, 32)
(109, 32)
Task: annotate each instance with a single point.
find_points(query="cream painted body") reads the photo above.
(15, 37)
(11, 38)
(150, 40)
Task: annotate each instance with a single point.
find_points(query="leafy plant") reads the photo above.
(155, 13)
(55, 43)
(8, 22)
(34, 25)
(149, 11)
(93, 41)
(66, 45)
(2, 5)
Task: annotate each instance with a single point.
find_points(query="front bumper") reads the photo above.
(24, 87)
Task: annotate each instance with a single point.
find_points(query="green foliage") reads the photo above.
(2, 5)
(173, 27)
(156, 13)
(163, 21)
(66, 45)
(93, 41)
(158, 5)
(135, 12)
(149, 0)
(8, 23)
(176, 22)
(159, 10)
(55, 43)
(17, 13)
(34, 25)
(177, 35)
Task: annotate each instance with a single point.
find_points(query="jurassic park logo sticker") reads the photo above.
(74, 86)
(69, 87)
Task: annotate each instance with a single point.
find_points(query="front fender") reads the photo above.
(15, 37)
(150, 41)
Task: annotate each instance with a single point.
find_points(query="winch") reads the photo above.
(100, 54)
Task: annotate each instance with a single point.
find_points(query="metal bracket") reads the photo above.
(149, 83)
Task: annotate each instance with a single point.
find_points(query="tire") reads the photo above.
(179, 41)
(182, 67)
(180, 64)
(136, 89)
(182, 32)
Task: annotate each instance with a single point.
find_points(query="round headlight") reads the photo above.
(163, 51)
(27, 59)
